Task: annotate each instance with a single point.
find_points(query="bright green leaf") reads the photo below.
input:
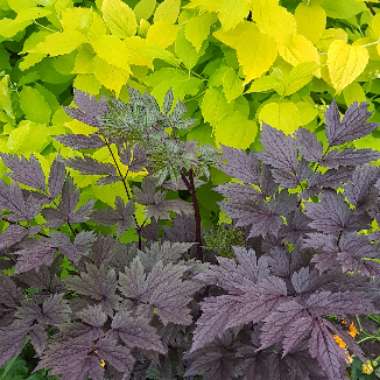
(119, 17)
(34, 105)
(167, 11)
(144, 9)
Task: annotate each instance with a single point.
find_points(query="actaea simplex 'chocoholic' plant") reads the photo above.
(163, 307)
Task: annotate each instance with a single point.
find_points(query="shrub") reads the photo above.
(165, 306)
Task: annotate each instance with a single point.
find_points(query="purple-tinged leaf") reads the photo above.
(115, 355)
(137, 332)
(73, 359)
(56, 177)
(76, 249)
(39, 338)
(81, 141)
(238, 164)
(13, 235)
(66, 211)
(331, 214)
(354, 251)
(122, 215)
(97, 284)
(308, 145)
(280, 153)
(93, 316)
(34, 254)
(12, 340)
(90, 166)
(325, 350)
(27, 172)
(360, 185)
(90, 109)
(353, 126)
(12, 199)
(349, 157)
(331, 179)
(276, 323)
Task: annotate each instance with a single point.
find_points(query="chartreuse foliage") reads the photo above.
(292, 299)
(235, 64)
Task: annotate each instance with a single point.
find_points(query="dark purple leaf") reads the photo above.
(308, 145)
(350, 157)
(353, 126)
(240, 165)
(90, 166)
(81, 141)
(27, 172)
(90, 109)
(56, 177)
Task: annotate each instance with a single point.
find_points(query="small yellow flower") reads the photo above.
(349, 358)
(352, 330)
(340, 342)
(102, 363)
(367, 368)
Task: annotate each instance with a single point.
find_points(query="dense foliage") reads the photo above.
(236, 64)
(304, 266)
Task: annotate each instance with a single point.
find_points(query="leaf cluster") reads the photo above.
(93, 307)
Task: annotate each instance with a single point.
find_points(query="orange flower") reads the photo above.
(352, 330)
(340, 342)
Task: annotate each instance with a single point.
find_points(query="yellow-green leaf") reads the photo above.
(28, 137)
(298, 50)
(119, 18)
(299, 76)
(274, 20)
(230, 12)
(144, 9)
(167, 11)
(311, 21)
(214, 106)
(112, 50)
(354, 93)
(282, 115)
(111, 77)
(87, 83)
(329, 36)
(236, 130)
(77, 18)
(197, 29)
(34, 105)
(9, 27)
(343, 9)
(345, 63)
(162, 34)
(60, 43)
(232, 84)
(5, 97)
(179, 81)
(185, 50)
(256, 51)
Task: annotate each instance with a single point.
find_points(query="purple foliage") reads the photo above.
(152, 308)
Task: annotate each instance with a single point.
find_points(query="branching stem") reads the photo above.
(127, 191)
(188, 179)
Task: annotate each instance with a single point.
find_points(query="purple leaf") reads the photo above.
(81, 141)
(353, 126)
(308, 145)
(90, 109)
(56, 178)
(27, 172)
(240, 165)
(349, 157)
